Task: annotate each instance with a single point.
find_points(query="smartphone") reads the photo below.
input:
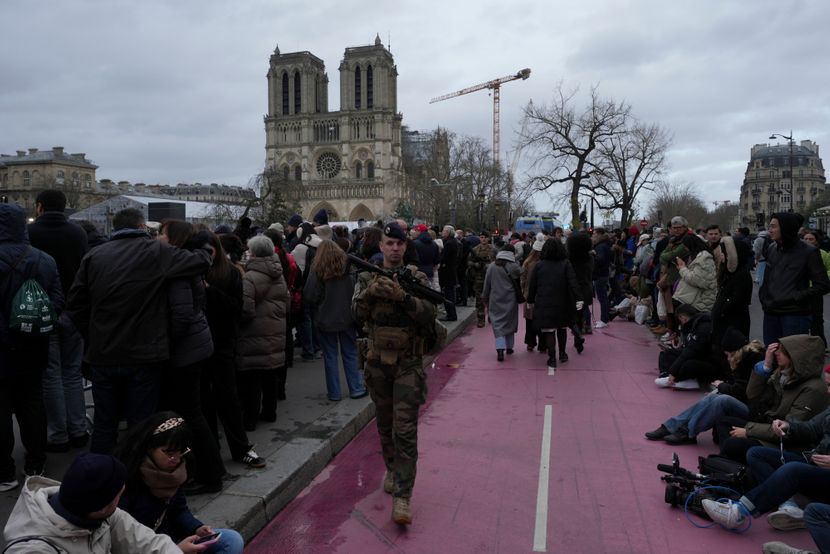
(207, 538)
(808, 456)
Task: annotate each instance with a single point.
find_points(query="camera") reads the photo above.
(688, 489)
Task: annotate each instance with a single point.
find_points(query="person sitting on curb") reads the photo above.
(795, 392)
(817, 522)
(808, 475)
(81, 514)
(729, 396)
(682, 368)
(153, 453)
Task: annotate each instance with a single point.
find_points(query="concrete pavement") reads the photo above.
(309, 431)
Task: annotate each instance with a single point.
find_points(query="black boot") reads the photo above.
(658, 434)
(500, 354)
(681, 436)
(579, 344)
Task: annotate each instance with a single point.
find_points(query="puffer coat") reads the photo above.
(265, 300)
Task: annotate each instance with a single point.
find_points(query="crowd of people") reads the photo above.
(179, 327)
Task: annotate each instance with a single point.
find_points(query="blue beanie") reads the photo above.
(321, 217)
(295, 220)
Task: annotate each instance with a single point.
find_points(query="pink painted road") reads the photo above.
(479, 469)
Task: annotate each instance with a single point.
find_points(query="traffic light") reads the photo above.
(759, 219)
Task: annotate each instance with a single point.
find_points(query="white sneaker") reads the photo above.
(551, 370)
(786, 518)
(687, 384)
(662, 382)
(729, 514)
(6, 486)
(600, 325)
(778, 547)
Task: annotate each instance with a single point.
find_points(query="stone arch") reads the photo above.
(361, 212)
(324, 206)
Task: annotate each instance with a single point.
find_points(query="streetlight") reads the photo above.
(792, 178)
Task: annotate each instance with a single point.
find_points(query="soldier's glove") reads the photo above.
(579, 305)
(384, 287)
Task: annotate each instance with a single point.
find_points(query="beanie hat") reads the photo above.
(539, 243)
(277, 227)
(295, 220)
(733, 340)
(321, 217)
(91, 482)
(304, 231)
(324, 232)
(506, 255)
(421, 228)
(633, 231)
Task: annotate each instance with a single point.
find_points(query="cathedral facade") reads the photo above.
(347, 162)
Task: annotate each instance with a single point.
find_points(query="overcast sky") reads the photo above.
(173, 92)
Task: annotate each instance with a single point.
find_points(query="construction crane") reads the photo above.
(493, 85)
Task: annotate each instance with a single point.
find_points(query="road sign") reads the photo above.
(644, 222)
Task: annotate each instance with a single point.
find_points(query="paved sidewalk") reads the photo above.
(309, 432)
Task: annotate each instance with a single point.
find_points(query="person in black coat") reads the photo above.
(731, 308)
(694, 361)
(603, 259)
(448, 270)
(579, 247)
(429, 255)
(22, 358)
(63, 389)
(553, 293)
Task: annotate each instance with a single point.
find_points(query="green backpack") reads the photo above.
(31, 309)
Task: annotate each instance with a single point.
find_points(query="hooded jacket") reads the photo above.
(798, 398)
(698, 284)
(19, 353)
(697, 342)
(261, 343)
(428, 254)
(734, 289)
(33, 516)
(749, 355)
(795, 276)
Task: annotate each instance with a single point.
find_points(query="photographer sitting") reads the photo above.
(808, 475)
(683, 368)
(728, 398)
(795, 392)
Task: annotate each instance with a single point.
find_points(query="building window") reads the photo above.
(59, 176)
(297, 91)
(88, 181)
(358, 170)
(357, 88)
(298, 172)
(370, 170)
(284, 93)
(370, 99)
(285, 172)
(76, 179)
(328, 165)
(27, 180)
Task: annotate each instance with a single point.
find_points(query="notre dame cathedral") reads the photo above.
(347, 162)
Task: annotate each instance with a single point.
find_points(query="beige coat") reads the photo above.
(261, 343)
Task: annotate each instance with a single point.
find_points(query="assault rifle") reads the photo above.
(410, 283)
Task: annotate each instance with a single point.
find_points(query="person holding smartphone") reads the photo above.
(153, 453)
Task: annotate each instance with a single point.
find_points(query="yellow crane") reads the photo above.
(493, 85)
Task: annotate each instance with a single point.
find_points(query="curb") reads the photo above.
(250, 502)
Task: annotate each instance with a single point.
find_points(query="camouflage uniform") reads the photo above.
(394, 372)
(480, 258)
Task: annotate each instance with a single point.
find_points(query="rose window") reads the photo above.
(328, 165)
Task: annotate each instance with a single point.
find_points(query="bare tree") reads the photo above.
(671, 199)
(566, 142)
(275, 198)
(724, 216)
(478, 184)
(629, 163)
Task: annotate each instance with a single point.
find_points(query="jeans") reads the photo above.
(505, 342)
(22, 395)
(129, 392)
(759, 272)
(817, 518)
(601, 291)
(309, 336)
(348, 352)
(63, 389)
(777, 326)
(789, 479)
(702, 415)
(763, 461)
(229, 543)
(449, 306)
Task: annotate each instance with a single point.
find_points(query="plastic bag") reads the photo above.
(31, 311)
(641, 313)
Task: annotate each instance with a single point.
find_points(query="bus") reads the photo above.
(534, 224)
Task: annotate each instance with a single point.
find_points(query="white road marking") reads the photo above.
(540, 535)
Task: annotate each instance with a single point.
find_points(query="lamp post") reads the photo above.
(792, 177)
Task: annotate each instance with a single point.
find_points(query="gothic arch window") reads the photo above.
(298, 172)
(297, 96)
(358, 170)
(357, 91)
(27, 181)
(284, 93)
(370, 170)
(370, 100)
(285, 172)
(317, 94)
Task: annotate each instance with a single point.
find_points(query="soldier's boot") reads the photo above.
(401, 513)
(389, 483)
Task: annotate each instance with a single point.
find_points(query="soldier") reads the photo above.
(480, 257)
(395, 323)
